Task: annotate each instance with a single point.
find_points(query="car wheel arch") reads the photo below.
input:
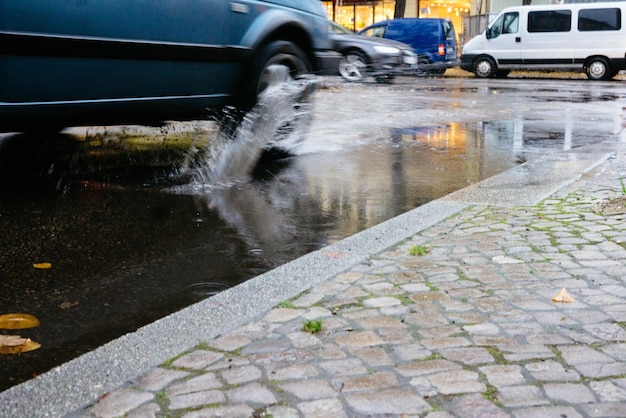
(357, 51)
(287, 52)
(275, 25)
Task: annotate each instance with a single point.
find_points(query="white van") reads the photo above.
(589, 37)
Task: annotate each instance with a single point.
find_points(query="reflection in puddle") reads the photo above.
(516, 136)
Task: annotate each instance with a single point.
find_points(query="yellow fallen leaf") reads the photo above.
(14, 344)
(18, 321)
(42, 265)
(563, 296)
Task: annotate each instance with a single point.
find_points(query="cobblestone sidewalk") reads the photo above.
(458, 321)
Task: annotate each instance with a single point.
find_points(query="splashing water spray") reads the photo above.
(280, 120)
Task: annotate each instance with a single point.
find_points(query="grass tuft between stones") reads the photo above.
(313, 326)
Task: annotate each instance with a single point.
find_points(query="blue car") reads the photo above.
(87, 62)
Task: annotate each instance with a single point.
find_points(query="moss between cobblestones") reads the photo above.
(497, 355)
(431, 287)
(433, 356)
(558, 356)
(434, 406)
(404, 299)
(463, 276)
(168, 363)
(491, 394)
(286, 304)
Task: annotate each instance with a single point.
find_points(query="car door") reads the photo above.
(548, 40)
(101, 50)
(504, 40)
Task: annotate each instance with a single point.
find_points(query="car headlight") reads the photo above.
(382, 49)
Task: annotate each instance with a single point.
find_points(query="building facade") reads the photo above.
(357, 14)
(469, 17)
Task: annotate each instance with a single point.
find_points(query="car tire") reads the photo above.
(274, 53)
(353, 66)
(421, 63)
(485, 67)
(599, 69)
(264, 71)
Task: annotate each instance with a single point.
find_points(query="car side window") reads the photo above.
(549, 21)
(377, 31)
(448, 30)
(510, 23)
(507, 23)
(599, 19)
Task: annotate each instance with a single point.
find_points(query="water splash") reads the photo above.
(279, 121)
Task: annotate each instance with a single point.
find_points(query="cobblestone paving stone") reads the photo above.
(468, 329)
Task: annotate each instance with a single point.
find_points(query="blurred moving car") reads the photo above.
(71, 63)
(364, 56)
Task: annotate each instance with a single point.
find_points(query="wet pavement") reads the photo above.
(131, 239)
(445, 311)
(466, 329)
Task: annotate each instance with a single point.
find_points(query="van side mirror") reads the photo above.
(488, 33)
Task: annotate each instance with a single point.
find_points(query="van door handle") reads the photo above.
(518, 39)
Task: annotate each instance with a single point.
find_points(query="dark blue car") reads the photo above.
(83, 62)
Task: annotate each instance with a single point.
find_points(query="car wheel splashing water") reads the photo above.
(279, 121)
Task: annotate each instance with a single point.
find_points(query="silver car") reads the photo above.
(367, 56)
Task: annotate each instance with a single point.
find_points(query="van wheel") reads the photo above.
(484, 67)
(598, 69)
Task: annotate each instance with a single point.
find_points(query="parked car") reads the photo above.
(432, 39)
(71, 63)
(589, 37)
(364, 56)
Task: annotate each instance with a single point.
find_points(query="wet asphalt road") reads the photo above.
(130, 239)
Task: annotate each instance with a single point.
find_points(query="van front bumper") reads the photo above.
(467, 62)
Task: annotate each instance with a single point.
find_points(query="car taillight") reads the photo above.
(441, 50)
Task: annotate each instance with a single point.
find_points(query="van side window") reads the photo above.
(599, 19)
(511, 23)
(507, 23)
(495, 30)
(550, 21)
